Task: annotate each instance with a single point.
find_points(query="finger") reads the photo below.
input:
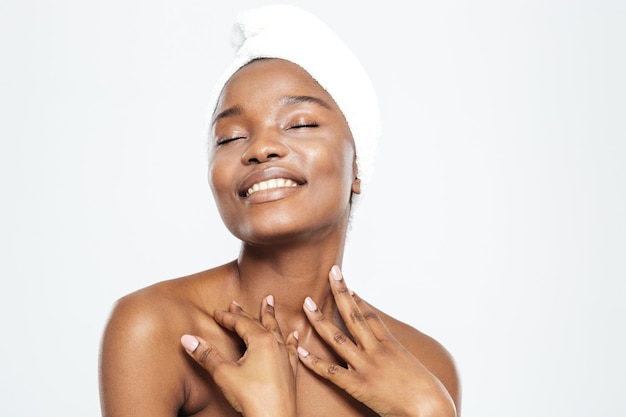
(204, 353)
(349, 310)
(239, 322)
(292, 348)
(330, 333)
(226, 318)
(336, 374)
(268, 317)
(236, 308)
(376, 324)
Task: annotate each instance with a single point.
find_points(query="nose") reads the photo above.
(263, 147)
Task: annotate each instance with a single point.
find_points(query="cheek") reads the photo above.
(345, 161)
(218, 177)
(211, 175)
(337, 163)
(221, 188)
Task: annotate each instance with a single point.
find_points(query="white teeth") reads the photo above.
(269, 184)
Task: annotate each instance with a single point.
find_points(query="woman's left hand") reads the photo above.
(381, 373)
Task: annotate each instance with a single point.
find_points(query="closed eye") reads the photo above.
(303, 125)
(228, 140)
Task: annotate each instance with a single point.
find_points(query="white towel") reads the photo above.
(296, 35)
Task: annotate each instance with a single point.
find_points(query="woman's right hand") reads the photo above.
(262, 382)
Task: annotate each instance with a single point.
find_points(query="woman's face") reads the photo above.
(282, 155)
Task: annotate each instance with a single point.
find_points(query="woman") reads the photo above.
(277, 331)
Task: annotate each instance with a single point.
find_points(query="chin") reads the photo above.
(289, 232)
(267, 233)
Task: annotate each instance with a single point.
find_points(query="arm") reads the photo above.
(137, 376)
(381, 372)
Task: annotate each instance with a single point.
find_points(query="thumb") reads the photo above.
(207, 355)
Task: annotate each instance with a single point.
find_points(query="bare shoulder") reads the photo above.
(141, 342)
(155, 309)
(152, 311)
(430, 352)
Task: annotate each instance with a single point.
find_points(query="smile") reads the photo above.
(271, 184)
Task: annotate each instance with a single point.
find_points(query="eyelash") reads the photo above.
(304, 124)
(295, 126)
(227, 140)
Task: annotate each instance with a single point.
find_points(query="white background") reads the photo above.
(496, 221)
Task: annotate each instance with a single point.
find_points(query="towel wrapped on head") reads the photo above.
(296, 35)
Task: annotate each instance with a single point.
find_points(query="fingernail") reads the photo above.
(335, 273)
(190, 343)
(235, 303)
(303, 352)
(270, 300)
(296, 334)
(310, 304)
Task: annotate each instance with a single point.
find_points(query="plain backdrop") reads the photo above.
(496, 221)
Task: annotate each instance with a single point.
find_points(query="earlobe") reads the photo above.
(356, 186)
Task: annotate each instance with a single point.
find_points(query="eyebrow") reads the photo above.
(304, 99)
(288, 100)
(229, 112)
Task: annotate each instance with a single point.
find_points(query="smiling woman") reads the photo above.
(277, 331)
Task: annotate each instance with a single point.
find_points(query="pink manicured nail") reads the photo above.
(296, 334)
(270, 300)
(335, 273)
(310, 304)
(190, 343)
(303, 352)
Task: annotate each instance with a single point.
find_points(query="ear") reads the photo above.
(356, 186)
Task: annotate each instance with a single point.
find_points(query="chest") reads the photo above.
(316, 398)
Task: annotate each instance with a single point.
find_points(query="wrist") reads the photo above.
(439, 404)
(266, 410)
(435, 409)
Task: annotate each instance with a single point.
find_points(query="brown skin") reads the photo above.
(291, 237)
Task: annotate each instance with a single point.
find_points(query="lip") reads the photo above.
(264, 175)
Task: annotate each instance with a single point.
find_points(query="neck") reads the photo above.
(290, 273)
